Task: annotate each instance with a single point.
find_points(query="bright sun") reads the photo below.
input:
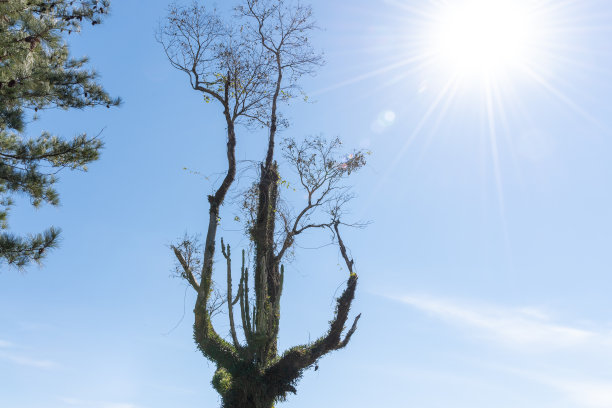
(482, 37)
(477, 63)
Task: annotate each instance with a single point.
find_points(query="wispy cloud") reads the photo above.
(36, 326)
(510, 326)
(5, 344)
(587, 393)
(576, 354)
(27, 361)
(96, 404)
(8, 354)
(584, 391)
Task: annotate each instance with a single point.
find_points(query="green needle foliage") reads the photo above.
(37, 73)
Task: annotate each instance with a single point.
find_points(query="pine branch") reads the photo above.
(20, 251)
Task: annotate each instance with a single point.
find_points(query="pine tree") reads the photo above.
(249, 67)
(36, 73)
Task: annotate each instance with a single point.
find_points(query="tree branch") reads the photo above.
(188, 273)
(289, 368)
(349, 262)
(227, 254)
(244, 302)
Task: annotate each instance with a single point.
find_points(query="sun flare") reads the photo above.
(482, 37)
(485, 71)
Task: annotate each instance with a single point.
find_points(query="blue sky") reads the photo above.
(484, 276)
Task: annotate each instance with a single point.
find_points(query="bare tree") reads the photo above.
(250, 67)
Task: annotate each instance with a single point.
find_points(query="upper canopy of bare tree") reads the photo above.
(247, 65)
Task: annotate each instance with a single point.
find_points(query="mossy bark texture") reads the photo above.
(252, 374)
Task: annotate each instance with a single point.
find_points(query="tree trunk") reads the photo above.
(240, 399)
(247, 389)
(267, 274)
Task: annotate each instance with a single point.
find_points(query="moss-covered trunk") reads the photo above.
(245, 389)
(242, 399)
(267, 272)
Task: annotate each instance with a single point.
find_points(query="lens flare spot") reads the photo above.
(383, 121)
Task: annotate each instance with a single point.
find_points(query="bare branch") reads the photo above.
(281, 28)
(187, 253)
(320, 172)
(220, 61)
(349, 262)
